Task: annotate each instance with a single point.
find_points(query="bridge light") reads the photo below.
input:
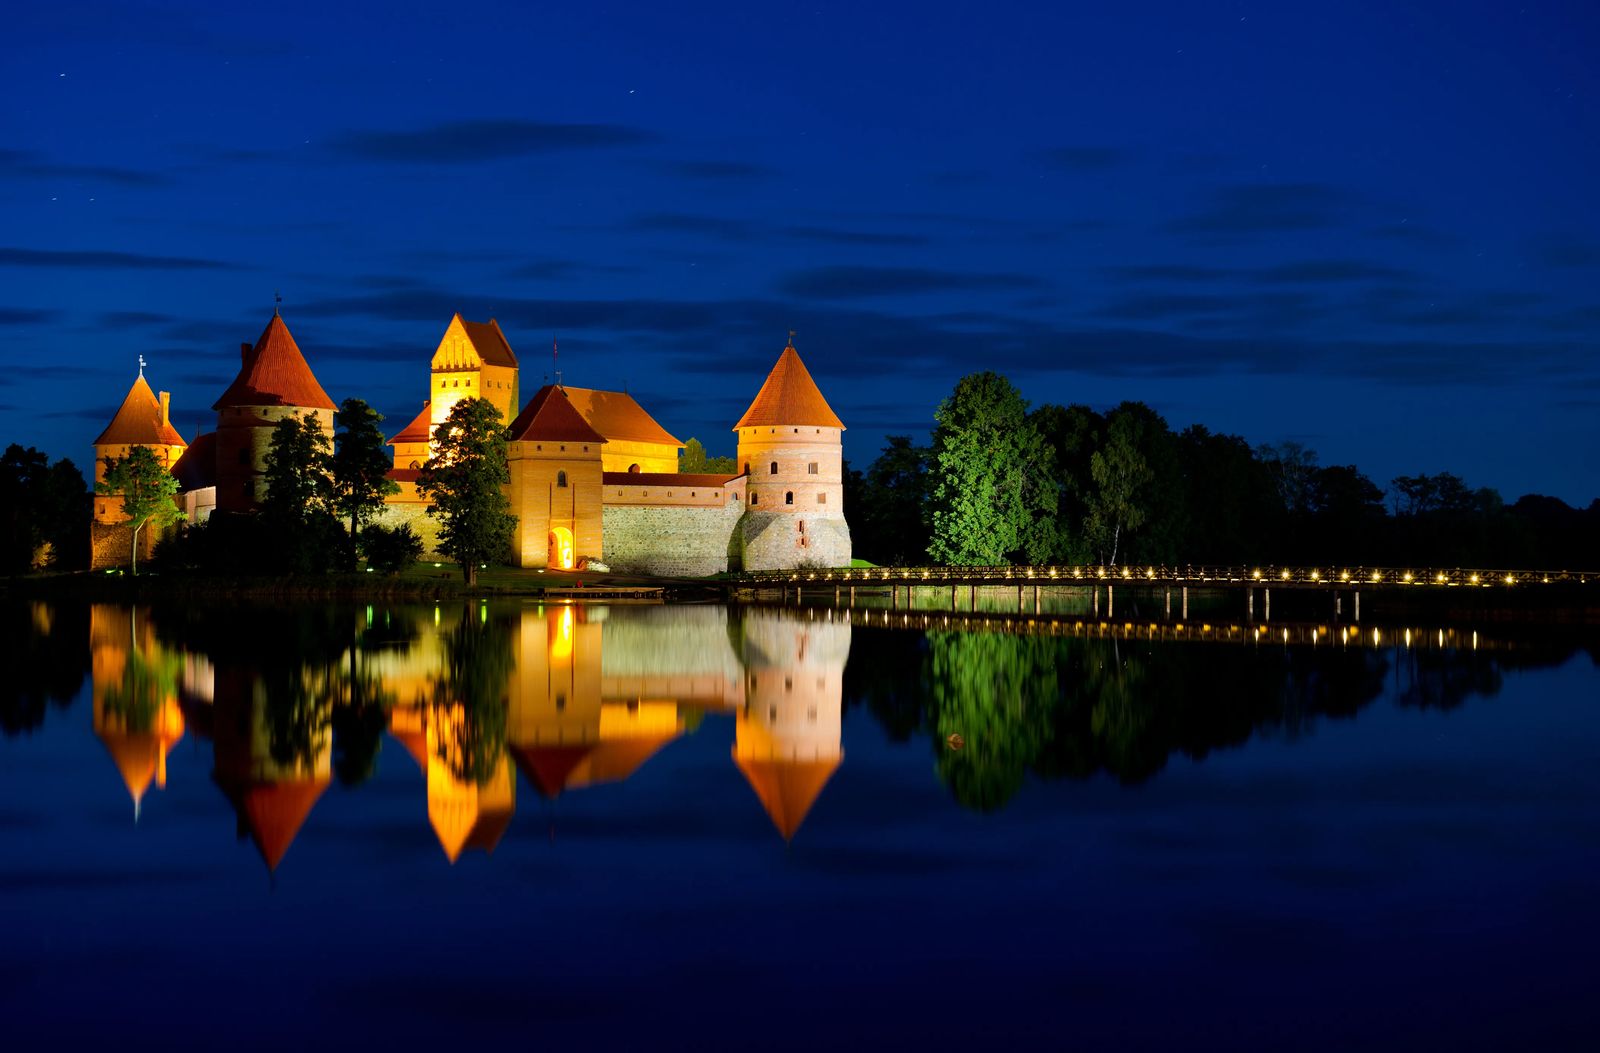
(1316, 575)
(1510, 580)
(1408, 577)
(1285, 574)
(1439, 578)
(1256, 575)
(1376, 576)
(1344, 575)
(1474, 579)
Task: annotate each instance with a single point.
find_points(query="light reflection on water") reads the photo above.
(769, 803)
(569, 697)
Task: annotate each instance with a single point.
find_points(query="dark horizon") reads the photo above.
(1370, 231)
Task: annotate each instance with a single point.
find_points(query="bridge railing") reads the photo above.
(1264, 575)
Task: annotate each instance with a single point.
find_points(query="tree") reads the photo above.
(889, 521)
(146, 489)
(465, 479)
(43, 512)
(992, 496)
(298, 507)
(1293, 469)
(695, 460)
(1120, 474)
(360, 467)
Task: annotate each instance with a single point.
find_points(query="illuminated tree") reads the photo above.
(471, 696)
(146, 489)
(1120, 475)
(360, 465)
(695, 460)
(991, 496)
(42, 510)
(465, 479)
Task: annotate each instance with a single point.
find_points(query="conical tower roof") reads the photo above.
(275, 373)
(787, 788)
(138, 421)
(273, 812)
(789, 397)
(551, 417)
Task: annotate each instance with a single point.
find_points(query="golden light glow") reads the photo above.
(1285, 575)
(1256, 575)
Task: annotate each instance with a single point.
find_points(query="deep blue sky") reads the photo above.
(1368, 227)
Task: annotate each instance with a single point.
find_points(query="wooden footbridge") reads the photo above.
(1173, 583)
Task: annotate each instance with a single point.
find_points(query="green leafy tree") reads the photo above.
(465, 480)
(471, 695)
(992, 495)
(298, 507)
(390, 551)
(360, 465)
(1073, 433)
(146, 489)
(695, 460)
(889, 521)
(1120, 476)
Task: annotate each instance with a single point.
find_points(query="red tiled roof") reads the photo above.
(418, 429)
(617, 416)
(787, 788)
(550, 417)
(197, 468)
(664, 479)
(403, 475)
(273, 812)
(137, 421)
(489, 342)
(275, 373)
(549, 767)
(789, 396)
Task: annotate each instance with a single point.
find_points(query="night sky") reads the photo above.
(1372, 228)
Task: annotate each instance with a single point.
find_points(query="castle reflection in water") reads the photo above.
(569, 696)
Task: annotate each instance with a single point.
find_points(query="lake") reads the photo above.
(699, 826)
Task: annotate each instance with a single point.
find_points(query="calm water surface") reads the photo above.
(704, 827)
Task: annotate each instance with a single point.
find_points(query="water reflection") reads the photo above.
(571, 697)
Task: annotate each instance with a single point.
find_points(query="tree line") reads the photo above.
(1006, 483)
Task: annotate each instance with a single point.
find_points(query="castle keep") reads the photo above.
(592, 474)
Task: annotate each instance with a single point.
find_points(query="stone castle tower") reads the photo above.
(274, 383)
(141, 420)
(791, 448)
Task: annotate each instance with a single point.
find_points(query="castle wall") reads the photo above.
(678, 540)
(621, 455)
(108, 508)
(111, 544)
(414, 514)
(781, 541)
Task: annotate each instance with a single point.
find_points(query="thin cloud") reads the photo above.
(854, 283)
(1265, 208)
(102, 260)
(720, 171)
(26, 316)
(468, 142)
(1084, 158)
(21, 164)
(718, 227)
(1314, 271)
(838, 236)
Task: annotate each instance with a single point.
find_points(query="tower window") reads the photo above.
(415, 465)
(753, 497)
(747, 467)
(788, 497)
(633, 469)
(822, 499)
(244, 455)
(773, 470)
(811, 469)
(561, 478)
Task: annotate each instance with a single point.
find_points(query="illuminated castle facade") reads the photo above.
(592, 474)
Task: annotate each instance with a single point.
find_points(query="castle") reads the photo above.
(592, 474)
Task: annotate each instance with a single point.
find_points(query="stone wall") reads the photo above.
(415, 515)
(783, 541)
(111, 544)
(677, 541)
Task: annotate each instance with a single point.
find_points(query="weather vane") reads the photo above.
(791, 338)
(277, 302)
(141, 365)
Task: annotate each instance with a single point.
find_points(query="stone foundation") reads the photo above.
(672, 540)
(785, 541)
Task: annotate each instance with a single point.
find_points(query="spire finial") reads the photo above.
(141, 367)
(277, 304)
(791, 338)
(555, 359)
